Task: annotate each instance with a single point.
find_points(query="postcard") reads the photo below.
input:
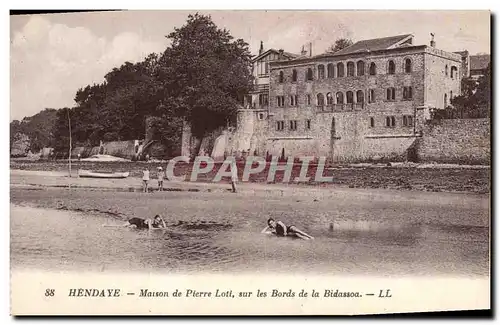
(250, 162)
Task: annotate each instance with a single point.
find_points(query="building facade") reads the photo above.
(366, 101)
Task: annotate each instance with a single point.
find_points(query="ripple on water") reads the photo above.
(59, 239)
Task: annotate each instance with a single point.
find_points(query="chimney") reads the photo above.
(281, 54)
(303, 51)
(433, 43)
(261, 47)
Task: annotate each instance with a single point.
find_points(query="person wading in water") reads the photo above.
(139, 223)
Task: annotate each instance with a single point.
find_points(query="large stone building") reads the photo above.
(366, 101)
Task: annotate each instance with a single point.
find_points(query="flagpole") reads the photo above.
(70, 148)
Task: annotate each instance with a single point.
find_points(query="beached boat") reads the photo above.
(91, 174)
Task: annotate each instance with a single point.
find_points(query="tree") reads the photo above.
(475, 100)
(38, 128)
(340, 44)
(207, 73)
(201, 78)
(61, 129)
(483, 93)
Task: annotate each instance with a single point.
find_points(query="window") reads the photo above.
(308, 99)
(321, 71)
(280, 100)
(390, 121)
(360, 96)
(330, 70)
(281, 77)
(308, 124)
(373, 69)
(293, 100)
(340, 69)
(407, 93)
(451, 96)
(407, 66)
(340, 98)
(261, 116)
(446, 70)
(267, 67)
(350, 97)
(372, 122)
(280, 125)
(321, 99)
(309, 74)
(392, 67)
(407, 120)
(263, 99)
(371, 96)
(453, 72)
(445, 100)
(361, 68)
(329, 99)
(293, 125)
(391, 94)
(350, 69)
(294, 75)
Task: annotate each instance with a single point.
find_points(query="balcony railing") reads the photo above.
(256, 106)
(261, 88)
(341, 107)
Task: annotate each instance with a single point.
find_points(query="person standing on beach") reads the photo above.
(161, 176)
(234, 175)
(145, 179)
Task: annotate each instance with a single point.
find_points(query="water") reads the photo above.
(51, 239)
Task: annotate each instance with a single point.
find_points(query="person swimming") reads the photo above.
(139, 223)
(279, 229)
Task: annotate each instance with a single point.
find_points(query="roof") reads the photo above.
(288, 55)
(375, 44)
(479, 62)
(462, 53)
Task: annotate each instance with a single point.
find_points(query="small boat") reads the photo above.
(91, 174)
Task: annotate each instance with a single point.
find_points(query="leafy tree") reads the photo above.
(201, 78)
(15, 128)
(475, 100)
(340, 44)
(483, 93)
(38, 128)
(61, 129)
(208, 73)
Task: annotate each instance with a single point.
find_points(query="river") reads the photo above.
(61, 239)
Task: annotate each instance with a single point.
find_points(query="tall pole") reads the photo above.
(70, 148)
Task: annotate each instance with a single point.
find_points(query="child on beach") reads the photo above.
(145, 179)
(161, 175)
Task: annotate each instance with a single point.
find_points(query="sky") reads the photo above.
(53, 55)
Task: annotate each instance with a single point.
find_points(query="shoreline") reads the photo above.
(400, 183)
